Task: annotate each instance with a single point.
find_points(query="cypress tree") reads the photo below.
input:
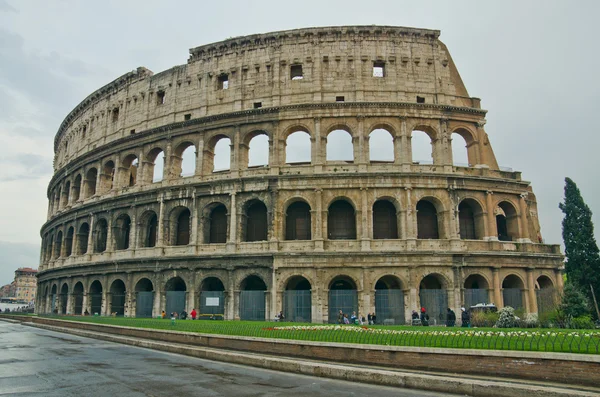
(583, 261)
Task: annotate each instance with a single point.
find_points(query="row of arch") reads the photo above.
(341, 225)
(160, 162)
(298, 300)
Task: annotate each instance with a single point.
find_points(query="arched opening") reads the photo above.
(434, 298)
(297, 300)
(507, 222)
(217, 225)
(298, 148)
(83, 237)
(381, 146)
(155, 168)
(184, 160)
(341, 221)
(252, 299)
(78, 299)
(222, 155)
(389, 300)
(101, 231)
(107, 177)
(258, 151)
(476, 290)
(54, 300)
(65, 196)
(385, 221)
(117, 298)
(343, 299)
(256, 221)
(545, 294)
(422, 147)
(58, 245)
(181, 229)
(339, 146)
(460, 156)
(471, 220)
(95, 297)
(129, 171)
(76, 189)
(91, 177)
(297, 221)
(512, 292)
(121, 231)
(176, 294)
(144, 298)
(58, 199)
(64, 298)
(69, 241)
(49, 247)
(427, 220)
(212, 297)
(149, 229)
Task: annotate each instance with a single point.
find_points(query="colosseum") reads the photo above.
(246, 182)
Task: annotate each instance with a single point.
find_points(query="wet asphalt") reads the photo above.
(36, 362)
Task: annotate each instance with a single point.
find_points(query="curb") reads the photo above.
(383, 377)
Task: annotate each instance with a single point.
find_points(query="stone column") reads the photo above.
(133, 230)
(498, 301)
(232, 242)
(317, 146)
(194, 236)
(161, 227)
(413, 298)
(532, 307)
(362, 154)
(400, 143)
(110, 244)
(365, 235)
(199, 157)
(524, 222)
(411, 231)
(85, 303)
(491, 217)
(230, 297)
(319, 224)
(480, 137)
(235, 153)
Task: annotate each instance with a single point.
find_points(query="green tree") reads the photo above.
(583, 261)
(574, 302)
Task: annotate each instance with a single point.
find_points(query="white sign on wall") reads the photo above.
(212, 301)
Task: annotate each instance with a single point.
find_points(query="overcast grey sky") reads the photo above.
(534, 64)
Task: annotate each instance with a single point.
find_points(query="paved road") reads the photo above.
(44, 363)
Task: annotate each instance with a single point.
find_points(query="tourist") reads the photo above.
(369, 319)
(374, 318)
(86, 313)
(424, 317)
(280, 316)
(415, 318)
(183, 315)
(465, 318)
(163, 315)
(341, 317)
(193, 313)
(363, 320)
(353, 318)
(346, 321)
(450, 318)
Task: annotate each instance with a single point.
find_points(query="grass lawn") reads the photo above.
(549, 340)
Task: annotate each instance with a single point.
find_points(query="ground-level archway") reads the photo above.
(117, 298)
(95, 297)
(212, 297)
(78, 298)
(434, 298)
(512, 292)
(545, 294)
(476, 290)
(297, 300)
(252, 299)
(176, 292)
(343, 296)
(64, 298)
(389, 301)
(144, 298)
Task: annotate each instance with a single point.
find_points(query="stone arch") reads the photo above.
(433, 296)
(512, 291)
(95, 297)
(507, 221)
(255, 221)
(470, 150)
(381, 145)
(212, 283)
(476, 289)
(117, 297)
(121, 231)
(217, 155)
(144, 297)
(155, 165)
(78, 292)
(255, 149)
(149, 229)
(129, 170)
(343, 297)
(180, 225)
(298, 223)
(216, 223)
(252, 298)
(389, 300)
(297, 299)
(90, 182)
(65, 195)
(340, 144)
(107, 177)
(430, 218)
(100, 235)
(76, 188)
(341, 220)
(183, 161)
(297, 145)
(471, 219)
(64, 298)
(385, 219)
(422, 138)
(58, 245)
(546, 294)
(176, 294)
(144, 284)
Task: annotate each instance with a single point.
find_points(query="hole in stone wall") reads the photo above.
(223, 82)
(257, 105)
(339, 99)
(187, 117)
(378, 69)
(296, 72)
(420, 99)
(160, 98)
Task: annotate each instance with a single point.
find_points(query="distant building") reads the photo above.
(25, 284)
(8, 290)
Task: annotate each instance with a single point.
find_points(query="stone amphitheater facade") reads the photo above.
(306, 238)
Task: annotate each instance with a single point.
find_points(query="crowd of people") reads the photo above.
(20, 309)
(423, 318)
(359, 319)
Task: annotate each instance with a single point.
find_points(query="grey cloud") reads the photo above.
(15, 255)
(5, 7)
(25, 166)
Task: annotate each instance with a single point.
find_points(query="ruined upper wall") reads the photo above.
(336, 62)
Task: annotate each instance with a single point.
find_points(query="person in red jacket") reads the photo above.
(193, 314)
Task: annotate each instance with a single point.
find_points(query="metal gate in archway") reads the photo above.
(389, 306)
(435, 301)
(252, 305)
(213, 302)
(175, 302)
(78, 306)
(53, 308)
(96, 304)
(63, 303)
(144, 300)
(297, 306)
(513, 297)
(475, 296)
(546, 299)
(117, 304)
(345, 300)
